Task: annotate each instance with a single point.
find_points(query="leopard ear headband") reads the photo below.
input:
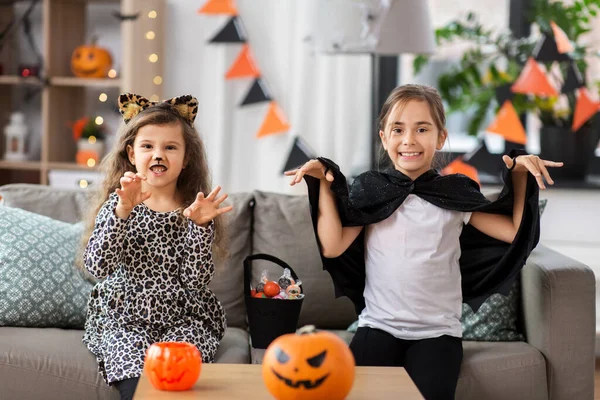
(131, 104)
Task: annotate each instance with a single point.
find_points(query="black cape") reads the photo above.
(487, 265)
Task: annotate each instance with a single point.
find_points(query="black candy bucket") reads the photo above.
(269, 318)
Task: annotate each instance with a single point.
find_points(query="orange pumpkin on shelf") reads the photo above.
(172, 365)
(308, 365)
(91, 61)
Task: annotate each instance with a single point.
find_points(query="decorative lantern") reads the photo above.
(15, 134)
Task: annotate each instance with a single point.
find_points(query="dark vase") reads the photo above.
(574, 149)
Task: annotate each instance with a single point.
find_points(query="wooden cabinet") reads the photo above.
(65, 98)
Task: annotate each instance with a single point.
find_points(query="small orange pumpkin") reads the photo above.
(90, 61)
(172, 365)
(308, 365)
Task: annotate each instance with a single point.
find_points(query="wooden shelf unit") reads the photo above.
(63, 96)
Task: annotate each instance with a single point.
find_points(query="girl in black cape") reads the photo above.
(408, 245)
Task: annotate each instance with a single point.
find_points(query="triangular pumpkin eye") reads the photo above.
(317, 360)
(281, 356)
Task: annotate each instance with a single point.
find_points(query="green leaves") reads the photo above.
(497, 58)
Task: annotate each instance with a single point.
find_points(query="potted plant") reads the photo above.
(494, 61)
(90, 138)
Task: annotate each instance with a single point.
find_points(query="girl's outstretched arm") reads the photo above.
(198, 268)
(334, 238)
(503, 227)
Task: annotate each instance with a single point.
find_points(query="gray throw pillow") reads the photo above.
(39, 283)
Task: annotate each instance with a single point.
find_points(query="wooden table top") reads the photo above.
(244, 381)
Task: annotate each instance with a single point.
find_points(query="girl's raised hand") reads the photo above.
(130, 194)
(205, 209)
(535, 165)
(313, 168)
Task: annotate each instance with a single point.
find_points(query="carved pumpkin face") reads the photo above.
(91, 62)
(172, 365)
(308, 366)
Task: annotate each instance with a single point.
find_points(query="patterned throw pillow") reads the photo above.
(39, 284)
(496, 319)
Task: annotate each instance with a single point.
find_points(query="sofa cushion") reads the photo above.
(227, 282)
(234, 347)
(37, 363)
(508, 370)
(50, 363)
(61, 204)
(39, 283)
(283, 228)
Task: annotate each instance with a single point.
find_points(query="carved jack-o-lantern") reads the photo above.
(90, 61)
(172, 365)
(308, 365)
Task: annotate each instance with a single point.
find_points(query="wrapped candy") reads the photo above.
(286, 279)
(293, 291)
(271, 288)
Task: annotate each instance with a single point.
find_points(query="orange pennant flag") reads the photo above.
(585, 108)
(533, 80)
(243, 66)
(508, 124)
(275, 122)
(458, 166)
(563, 44)
(226, 7)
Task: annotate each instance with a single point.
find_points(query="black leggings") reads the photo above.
(433, 364)
(126, 387)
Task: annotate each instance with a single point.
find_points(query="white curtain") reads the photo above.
(326, 98)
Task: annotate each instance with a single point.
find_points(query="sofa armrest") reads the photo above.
(560, 321)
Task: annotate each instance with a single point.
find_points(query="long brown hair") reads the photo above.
(194, 178)
(405, 93)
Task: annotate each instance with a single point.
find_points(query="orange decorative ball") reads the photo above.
(172, 365)
(308, 365)
(271, 289)
(90, 61)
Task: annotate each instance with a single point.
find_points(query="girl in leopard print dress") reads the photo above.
(152, 242)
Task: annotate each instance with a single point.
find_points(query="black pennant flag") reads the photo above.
(504, 93)
(574, 79)
(546, 50)
(258, 93)
(233, 32)
(299, 154)
(483, 160)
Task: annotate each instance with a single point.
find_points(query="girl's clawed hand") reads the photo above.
(535, 165)
(313, 168)
(205, 209)
(130, 194)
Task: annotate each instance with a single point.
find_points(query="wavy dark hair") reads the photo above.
(194, 178)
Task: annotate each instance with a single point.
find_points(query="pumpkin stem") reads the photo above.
(94, 40)
(307, 329)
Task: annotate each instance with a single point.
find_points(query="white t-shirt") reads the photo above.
(413, 281)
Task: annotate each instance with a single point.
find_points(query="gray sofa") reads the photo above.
(556, 362)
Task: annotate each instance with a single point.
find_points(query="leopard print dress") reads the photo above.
(154, 269)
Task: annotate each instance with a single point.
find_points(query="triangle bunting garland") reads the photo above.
(233, 32)
(533, 80)
(508, 124)
(585, 108)
(563, 44)
(275, 122)
(244, 66)
(300, 153)
(458, 166)
(226, 7)
(258, 93)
